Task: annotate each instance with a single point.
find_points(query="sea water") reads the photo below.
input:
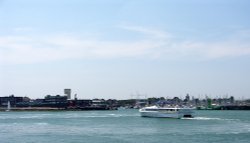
(123, 126)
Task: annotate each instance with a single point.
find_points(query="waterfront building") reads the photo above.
(12, 99)
(79, 103)
(55, 101)
(49, 101)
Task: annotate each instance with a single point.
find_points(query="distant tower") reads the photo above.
(75, 96)
(187, 97)
(67, 92)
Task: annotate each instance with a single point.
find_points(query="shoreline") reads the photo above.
(33, 109)
(51, 109)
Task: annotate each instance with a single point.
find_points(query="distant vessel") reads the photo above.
(8, 106)
(166, 112)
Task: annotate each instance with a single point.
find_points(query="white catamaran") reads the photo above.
(167, 112)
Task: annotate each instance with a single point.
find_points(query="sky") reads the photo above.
(121, 49)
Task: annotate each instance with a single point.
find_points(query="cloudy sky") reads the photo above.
(119, 48)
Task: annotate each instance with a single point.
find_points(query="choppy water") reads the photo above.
(123, 126)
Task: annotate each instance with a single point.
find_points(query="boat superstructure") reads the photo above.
(167, 112)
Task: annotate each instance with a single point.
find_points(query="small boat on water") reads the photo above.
(167, 112)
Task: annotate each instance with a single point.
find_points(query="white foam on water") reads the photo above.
(31, 117)
(107, 116)
(201, 118)
(208, 118)
(41, 124)
(121, 115)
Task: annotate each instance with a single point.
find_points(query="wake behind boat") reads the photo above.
(167, 112)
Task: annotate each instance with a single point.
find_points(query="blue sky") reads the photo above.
(118, 48)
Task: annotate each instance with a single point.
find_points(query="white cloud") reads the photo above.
(27, 49)
(150, 32)
(214, 50)
(23, 29)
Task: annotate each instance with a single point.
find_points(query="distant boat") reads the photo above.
(166, 112)
(8, 106)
